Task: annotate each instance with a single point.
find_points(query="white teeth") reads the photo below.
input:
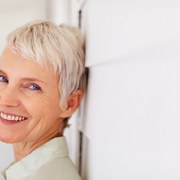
(16, 118)
(11, 118)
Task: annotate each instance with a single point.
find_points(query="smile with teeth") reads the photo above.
(12, 118)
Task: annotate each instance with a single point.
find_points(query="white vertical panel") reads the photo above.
(132, 120)
(131, 110)
(72, 136)
(59, 11)
(120, 28)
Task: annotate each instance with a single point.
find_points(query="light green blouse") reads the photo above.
(48, 162)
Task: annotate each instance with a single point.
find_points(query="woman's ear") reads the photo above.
(73, 102)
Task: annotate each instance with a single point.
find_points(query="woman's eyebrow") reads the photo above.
(26, 78)
(1, 71)
(33, 79)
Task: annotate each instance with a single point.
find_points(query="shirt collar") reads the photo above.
(55, 148)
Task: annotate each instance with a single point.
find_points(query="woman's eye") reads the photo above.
(34, 87)
(3, 79)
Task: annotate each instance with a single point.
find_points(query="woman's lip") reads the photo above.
(8, 123)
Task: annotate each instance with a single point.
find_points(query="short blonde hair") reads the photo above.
(62, 47)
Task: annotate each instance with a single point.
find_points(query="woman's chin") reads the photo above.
(8, 140)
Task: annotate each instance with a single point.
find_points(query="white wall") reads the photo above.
(59, 11)
(14, 13)
(130, 116)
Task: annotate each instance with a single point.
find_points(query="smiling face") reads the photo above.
(29, 100)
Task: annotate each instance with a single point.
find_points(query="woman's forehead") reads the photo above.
(14, 64)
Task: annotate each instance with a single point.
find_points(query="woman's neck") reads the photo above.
(23, 149)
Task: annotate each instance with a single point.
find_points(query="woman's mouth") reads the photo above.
(11, 119)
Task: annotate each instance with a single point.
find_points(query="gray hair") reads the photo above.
(62, 47)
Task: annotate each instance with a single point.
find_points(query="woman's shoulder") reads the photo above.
(57, 169)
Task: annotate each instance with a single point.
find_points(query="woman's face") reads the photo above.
(29, 100)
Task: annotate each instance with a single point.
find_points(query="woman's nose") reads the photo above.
(9, 97)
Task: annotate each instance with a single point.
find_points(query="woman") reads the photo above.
(42, 79)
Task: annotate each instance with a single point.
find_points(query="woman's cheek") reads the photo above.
(36, 103)
(29, 92)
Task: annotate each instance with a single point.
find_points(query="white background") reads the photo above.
(130, 116)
